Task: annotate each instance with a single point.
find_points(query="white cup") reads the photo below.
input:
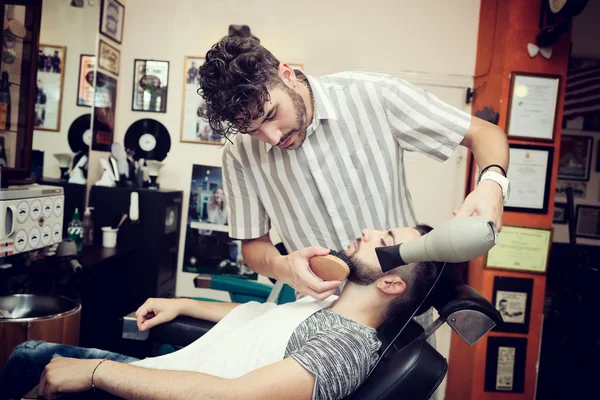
(109, 237)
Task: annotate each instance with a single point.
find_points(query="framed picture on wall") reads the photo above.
(208, 247)
(575, 157)
(112, 18)
(505, 364)
(532, 106)
(49, 87)
(587, 221)
(560, 213)
(109, 58)
(194, 128)
(579, 188)
(529, 172)
(105, 103)
(85, 86)
(512, 299)
(150, 85)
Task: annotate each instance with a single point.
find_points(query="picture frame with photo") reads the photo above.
(85, 86)
(150, 85)
(505, 364)
(512, 298)
(105, 104)
(49, 87)
(194, 128)
(560, 213)
(112, 19)
(208, 247)
(587, 221)
(575, 157)
(579, 188)
(109, 58)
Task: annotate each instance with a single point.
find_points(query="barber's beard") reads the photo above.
(301, 123)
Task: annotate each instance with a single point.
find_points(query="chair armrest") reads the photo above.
(467, 312)
(180, 332)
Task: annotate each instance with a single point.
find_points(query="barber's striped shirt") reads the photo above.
(349, 173)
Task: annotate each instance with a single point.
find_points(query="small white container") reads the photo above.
(109, 237)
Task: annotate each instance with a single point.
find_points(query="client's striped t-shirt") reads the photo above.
(338, 351)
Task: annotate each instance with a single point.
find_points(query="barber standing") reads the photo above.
(321, 158)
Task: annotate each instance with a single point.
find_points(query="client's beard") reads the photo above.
(363, 273)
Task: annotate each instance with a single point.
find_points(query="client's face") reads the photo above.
(362, 251)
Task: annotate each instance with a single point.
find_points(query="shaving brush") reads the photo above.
(335, 266)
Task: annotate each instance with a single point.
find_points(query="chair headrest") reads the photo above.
(467, 312)
(464, 297)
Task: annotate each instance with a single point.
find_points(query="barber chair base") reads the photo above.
(414, 371)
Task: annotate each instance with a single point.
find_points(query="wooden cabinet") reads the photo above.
(19, 42)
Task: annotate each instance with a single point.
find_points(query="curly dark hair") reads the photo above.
(234, 81)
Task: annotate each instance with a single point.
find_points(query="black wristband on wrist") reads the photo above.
(490, 166)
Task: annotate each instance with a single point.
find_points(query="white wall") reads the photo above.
(79, 37)
(435, 37)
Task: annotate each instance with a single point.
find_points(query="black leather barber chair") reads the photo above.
(411, 368)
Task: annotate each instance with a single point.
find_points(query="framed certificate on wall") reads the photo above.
(532, 106)
(521, 249)
(529, 173)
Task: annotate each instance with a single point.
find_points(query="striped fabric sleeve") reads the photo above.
(420, 121)
(247, 216)
(340, 359)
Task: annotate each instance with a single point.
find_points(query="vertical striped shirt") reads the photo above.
(349, 174)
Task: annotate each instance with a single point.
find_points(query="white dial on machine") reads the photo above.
(36, 209)
(22, 211)
(20, 240)
(56, 233)
(34, 237)
(48, 206)
(46, 235)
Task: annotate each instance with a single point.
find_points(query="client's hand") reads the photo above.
(65, 375)
(302, 279)
(155, 312)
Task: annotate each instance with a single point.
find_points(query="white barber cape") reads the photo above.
(251, 336)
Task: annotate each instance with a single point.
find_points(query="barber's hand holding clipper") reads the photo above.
(300, 277)
(157, 311)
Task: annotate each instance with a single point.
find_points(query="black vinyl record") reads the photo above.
(80, 134)
(148, 139)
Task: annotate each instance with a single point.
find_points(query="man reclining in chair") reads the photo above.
(302, 350)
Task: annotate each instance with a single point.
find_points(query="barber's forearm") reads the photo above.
(263, 258)
(488, 144)
(206, 310)
(132, 382)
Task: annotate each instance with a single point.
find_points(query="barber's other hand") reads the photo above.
(302, 279)
(486, 201)
(66, 375)
(155, 312)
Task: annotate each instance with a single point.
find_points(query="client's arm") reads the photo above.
(158, 311)
(285, 379)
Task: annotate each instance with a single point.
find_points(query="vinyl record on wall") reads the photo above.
(148, 139)
(80, 134)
